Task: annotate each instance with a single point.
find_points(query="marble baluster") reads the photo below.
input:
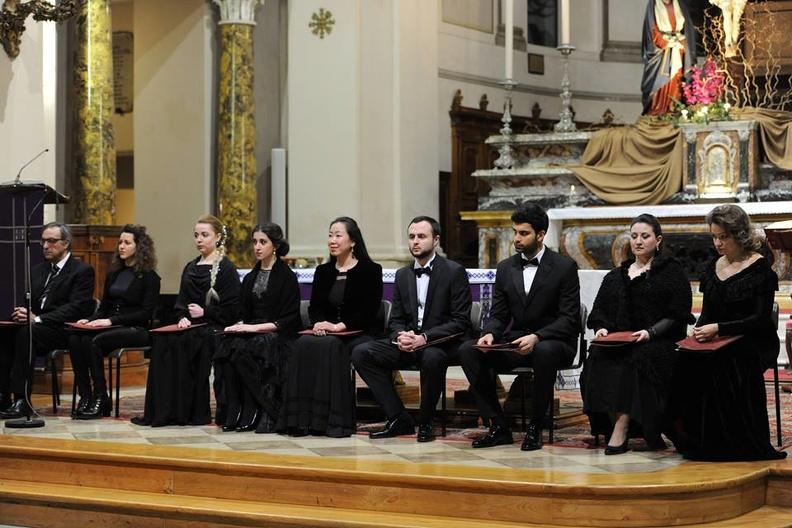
(236, 126)
(94, 138)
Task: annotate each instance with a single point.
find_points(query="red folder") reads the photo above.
(78, 326)
(498, 347)
(11, 323)
(690, 344)
(226, 332)
(339, 334)
(174, 328)
(616, 338)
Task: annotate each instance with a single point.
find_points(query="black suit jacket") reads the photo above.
(136, 306)
(70, 297)
(282, 298)
(448, 300)
(551, 310)
(362, 296)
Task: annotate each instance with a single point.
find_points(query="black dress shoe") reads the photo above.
(395, 427)
(533, 437)
(99, 406)
(18, 409)
(140, 420)
(497, 435)
(82, 406)
(617, 450)
(425, 433)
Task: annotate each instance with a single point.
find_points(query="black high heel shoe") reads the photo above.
(617, 450)
(251, 425)
(227, 428)
(98, 407)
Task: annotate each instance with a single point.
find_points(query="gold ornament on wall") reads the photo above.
(321, 23)
(14, 13)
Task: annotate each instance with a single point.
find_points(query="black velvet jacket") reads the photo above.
(135, 307)
(194, 286)
(281, 301)
(362, 296)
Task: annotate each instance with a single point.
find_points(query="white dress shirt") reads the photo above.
(529, 272)
(422, 287)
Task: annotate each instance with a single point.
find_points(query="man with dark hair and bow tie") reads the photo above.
(431, 301)
(536, 307)
(62, 291)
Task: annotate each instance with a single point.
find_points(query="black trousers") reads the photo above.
(376, 360)
(88, 349)
(480, 368)
(15, 367)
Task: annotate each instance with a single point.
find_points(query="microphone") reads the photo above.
(37, 156)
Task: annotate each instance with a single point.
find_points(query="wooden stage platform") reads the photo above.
(56, 483)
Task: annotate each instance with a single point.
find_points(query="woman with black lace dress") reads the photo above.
(719, 403)
(625, 388)
(177, 387)
(252, 357)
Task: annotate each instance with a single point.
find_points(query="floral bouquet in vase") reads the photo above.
(702, 96)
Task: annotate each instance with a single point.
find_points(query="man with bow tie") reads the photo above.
(431, 301)
(62, 291)
(536, 307)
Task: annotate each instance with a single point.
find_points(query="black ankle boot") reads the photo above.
(99, 406)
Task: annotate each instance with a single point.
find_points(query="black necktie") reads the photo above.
(421, 271)
(530, 262)
(54, 269)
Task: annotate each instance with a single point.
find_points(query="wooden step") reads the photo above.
(684, 495)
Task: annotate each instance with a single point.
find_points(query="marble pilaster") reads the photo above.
(236, 126)
(94, 137)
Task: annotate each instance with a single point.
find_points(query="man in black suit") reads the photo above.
(431, 301)
(535, 306)
(62, 291)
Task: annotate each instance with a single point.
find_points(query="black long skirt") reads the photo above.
(719, 406)
(319, 394)
(250, 373)
(612, 384)
(177, 388)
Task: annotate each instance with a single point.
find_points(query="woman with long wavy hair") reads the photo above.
(131, 293)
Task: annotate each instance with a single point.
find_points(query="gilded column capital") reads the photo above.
(238, 11)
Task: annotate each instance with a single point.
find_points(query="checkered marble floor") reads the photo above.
(402, 449)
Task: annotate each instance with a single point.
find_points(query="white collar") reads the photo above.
(62, 262)
(538, 256)
(428, 264)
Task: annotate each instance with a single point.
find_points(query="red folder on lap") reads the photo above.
(174, 328)
(616, 338)
(498, 347)
(11, 323)
(255, 332)
(339, 334)
(78, 326)
(689, 344)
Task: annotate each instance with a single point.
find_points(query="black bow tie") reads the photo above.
(530, 262)
(420, 271)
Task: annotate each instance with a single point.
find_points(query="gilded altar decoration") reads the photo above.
(322, 23)
(14, 13)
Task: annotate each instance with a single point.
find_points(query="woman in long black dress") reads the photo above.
(250, 368)
(177, 389)
(720, 404)
(346, 296)
(625, 388)
(131, 293)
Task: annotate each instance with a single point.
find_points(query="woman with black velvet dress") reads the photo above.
(625, 388)
(720, 403)
(131, 293)
(177, 389)
(345, 297)
(250, 367)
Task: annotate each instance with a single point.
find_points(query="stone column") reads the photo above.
(236, 126)
(94, 138)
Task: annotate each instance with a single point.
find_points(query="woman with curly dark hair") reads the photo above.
(719, 401)
(131, 292)
(625, 388)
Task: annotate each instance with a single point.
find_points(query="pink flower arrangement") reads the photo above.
(705, 86)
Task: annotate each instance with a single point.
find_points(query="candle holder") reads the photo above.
(565, 124)
(506, 152)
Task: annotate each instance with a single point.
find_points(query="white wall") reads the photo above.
(173, 136)
(28, 87)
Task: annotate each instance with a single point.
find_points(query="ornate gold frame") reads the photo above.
(14, 13)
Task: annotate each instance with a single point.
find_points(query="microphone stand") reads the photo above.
(28, 422)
